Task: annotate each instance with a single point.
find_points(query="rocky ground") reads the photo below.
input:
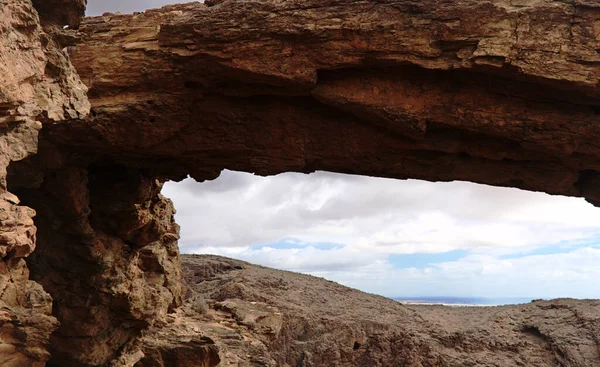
(239, 314)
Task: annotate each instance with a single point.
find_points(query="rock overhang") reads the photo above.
(392, 88)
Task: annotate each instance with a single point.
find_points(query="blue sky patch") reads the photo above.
(563, 247)
(288, 244)
(424, 260)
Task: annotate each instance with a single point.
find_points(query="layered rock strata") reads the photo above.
(496, 92)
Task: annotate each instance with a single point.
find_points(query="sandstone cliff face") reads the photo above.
(38, 85)
(106, 240)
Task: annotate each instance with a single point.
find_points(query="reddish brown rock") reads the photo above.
(112, 270)
(107, 252)
(176, 342)
(61, 12)
(490, 92)
(37, 85)
(111, 273)
(26, 320)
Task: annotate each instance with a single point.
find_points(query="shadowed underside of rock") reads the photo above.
(497, 92)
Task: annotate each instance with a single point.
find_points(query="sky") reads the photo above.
(398, 238)
(97, 7)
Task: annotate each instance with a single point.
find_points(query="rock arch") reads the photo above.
(489, 92)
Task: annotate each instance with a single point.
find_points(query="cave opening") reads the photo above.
(107, 248)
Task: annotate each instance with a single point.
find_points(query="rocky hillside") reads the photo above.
(239, 314)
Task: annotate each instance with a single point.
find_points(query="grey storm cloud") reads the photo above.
(97, 7)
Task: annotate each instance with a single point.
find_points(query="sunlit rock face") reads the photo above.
(38, 86)
(488, 92)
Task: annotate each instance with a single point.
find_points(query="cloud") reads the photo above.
(307, 259)
(465, 239)
(571, 274)
(375, 214)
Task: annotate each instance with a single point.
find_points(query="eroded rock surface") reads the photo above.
(496, 92)
(107, 252)
(106, 240)
(258, 316)
(61, 12)
(38, 86)
(26, 320)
